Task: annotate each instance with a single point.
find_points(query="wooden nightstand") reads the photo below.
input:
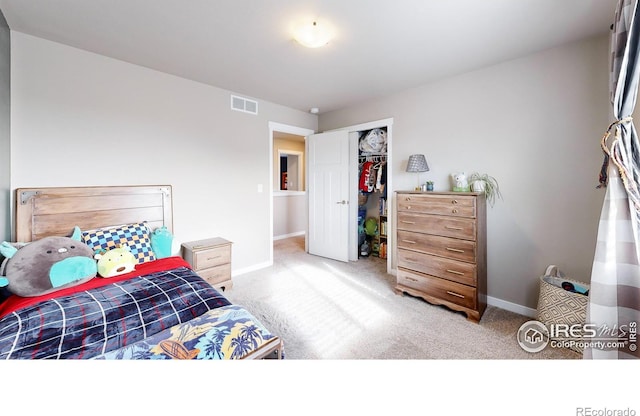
(211, 259)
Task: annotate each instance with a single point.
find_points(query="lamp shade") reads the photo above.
(417, 163)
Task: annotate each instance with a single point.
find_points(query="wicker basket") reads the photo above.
(559, 306)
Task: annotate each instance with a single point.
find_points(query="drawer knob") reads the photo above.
(455, 211)
(408, 206)
(455, 294)
(408, 198)
(454, 201)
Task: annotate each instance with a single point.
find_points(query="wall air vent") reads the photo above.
(244, 104)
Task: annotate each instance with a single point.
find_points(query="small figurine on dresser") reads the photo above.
(460, 182)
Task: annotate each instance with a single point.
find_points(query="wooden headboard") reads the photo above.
(42, 212)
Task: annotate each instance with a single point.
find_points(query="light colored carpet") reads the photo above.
(326, 309)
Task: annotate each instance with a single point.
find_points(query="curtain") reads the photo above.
(614, 296)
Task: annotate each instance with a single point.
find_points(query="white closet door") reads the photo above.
(328, 190)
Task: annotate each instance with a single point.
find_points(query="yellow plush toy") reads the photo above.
(116, 261)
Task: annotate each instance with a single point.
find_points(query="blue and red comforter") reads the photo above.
(105, 315)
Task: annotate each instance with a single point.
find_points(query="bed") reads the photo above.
(161, 310)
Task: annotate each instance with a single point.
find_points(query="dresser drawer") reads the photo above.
(439, 288)
(453, 248)
(454, 205)
(217, 274)
(453, 270)
(438, 225)
(210, 257)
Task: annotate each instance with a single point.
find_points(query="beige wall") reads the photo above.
(289, 214)
(535, 124)
(82, 119)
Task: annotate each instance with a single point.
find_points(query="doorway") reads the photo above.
(288, 205)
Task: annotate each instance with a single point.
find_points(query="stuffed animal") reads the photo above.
(460, 182)
(375, 140)
(46, 265)
(116, 261)
(161, 242)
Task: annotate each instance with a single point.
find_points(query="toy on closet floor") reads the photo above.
(370, 231)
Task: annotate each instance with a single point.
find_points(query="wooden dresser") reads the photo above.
(211, 259)
(441, 249)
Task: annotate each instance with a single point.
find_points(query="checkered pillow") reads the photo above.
(136, 236)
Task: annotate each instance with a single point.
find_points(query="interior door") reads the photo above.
(328, 190)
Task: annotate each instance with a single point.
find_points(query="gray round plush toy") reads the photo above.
(47, 265)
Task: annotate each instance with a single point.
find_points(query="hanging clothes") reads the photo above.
(365, 176)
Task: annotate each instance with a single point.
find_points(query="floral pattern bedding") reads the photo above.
(228, 332)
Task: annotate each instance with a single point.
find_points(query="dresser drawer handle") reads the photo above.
(455, 294)
(407, 222)
(456, 272)
(454, 201)
(448, 227)
(411, 279)
(456, 250)
(410, 260)
(454, 211)
(213, 258)
(408, 206)
(408, 198)
(408, 241)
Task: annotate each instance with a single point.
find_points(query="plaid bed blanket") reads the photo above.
(92, 322)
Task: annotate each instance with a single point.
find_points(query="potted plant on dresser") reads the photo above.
(485, 183)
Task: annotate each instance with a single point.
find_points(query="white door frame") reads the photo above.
(284, 128)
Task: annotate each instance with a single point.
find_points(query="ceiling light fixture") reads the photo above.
(312, 35)
(314, 110)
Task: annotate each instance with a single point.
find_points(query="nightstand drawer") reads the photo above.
(211, 257)
(215, 275)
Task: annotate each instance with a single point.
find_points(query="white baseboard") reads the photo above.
(251, 268)
(282, 237)
(511, 307)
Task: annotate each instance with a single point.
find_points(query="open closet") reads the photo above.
(337, 160)
(372, 193)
